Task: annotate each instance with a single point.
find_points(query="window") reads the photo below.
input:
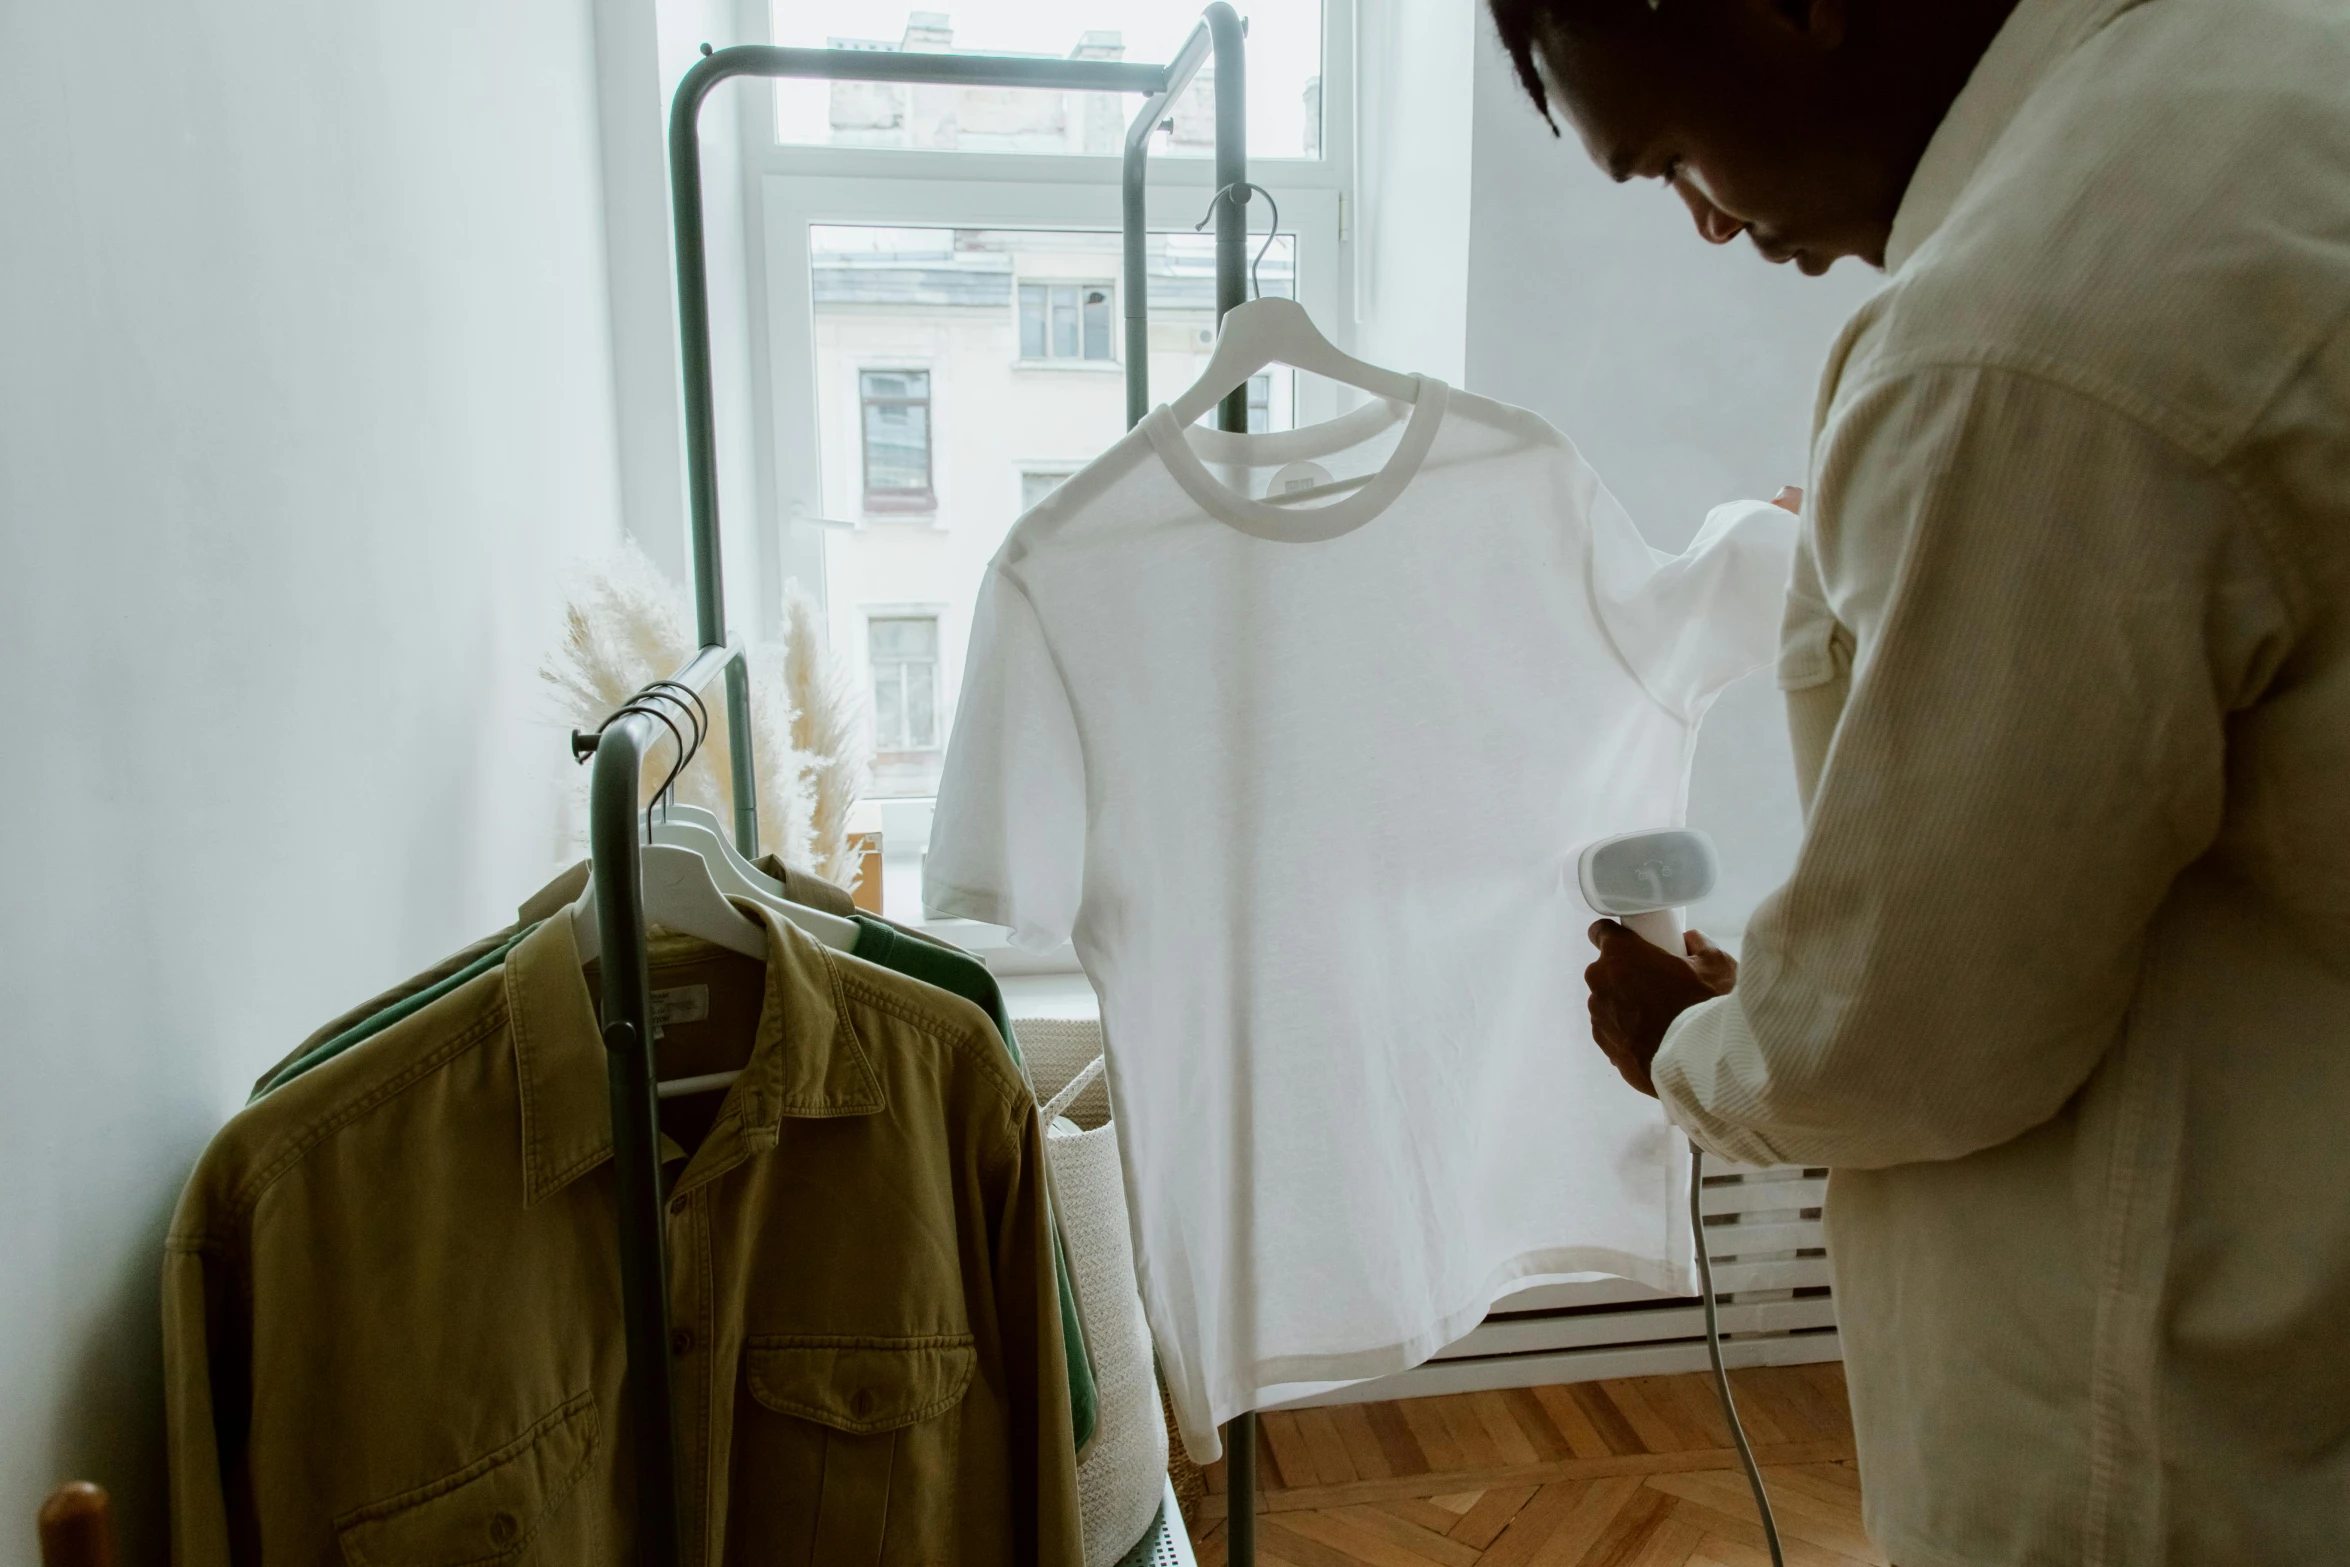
(904, 652)
(897, 439)
(1036, 486)
(1284, 77)
(937, 267)
(1065, 321)
(1260, 403)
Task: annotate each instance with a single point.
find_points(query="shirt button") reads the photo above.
(681, 1342)
(505, 1528)
(862, 1403)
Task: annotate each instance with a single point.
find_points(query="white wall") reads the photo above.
(1412, 226)
(305, 399)
(1683, 371)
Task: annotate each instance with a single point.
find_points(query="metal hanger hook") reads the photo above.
(637, 704)
(1256, 290)
(698, 714)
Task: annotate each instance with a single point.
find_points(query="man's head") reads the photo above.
(1795, 122)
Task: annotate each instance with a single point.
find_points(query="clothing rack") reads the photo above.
(630, 735)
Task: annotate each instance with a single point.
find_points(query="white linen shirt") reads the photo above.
(2060, 986)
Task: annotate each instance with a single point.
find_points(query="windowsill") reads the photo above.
(913, 507)
(1083, 366)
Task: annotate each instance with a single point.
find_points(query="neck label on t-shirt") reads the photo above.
(1296, 476)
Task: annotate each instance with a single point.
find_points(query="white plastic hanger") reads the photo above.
(1278, 331)
(681, 896)
(691, 827)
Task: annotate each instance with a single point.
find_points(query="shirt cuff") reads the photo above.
(1708, 1055)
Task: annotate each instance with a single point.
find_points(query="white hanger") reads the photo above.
(680, 896)
(1269, 331)
(690, 827)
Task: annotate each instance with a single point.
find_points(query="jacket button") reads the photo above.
(681, 1341)
(505, 1528)
(862, 1403)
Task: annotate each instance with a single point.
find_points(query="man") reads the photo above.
(2060, 985)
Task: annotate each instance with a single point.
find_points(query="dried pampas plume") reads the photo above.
(825, 733)
(626, 625)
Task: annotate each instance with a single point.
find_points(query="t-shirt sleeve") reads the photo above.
(1007, 846)
(1691, 623)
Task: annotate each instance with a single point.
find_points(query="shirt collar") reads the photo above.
(806, 1060)
(2036, 38)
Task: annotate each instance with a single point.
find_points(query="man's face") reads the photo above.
(1745, 114)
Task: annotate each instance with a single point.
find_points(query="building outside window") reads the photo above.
(1065, 321)
(1284, 78)
(965, 305)
(897, 439)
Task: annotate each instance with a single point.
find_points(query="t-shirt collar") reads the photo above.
(2036, 38)
(806, 1058)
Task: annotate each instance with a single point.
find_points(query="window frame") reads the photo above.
(922, 500)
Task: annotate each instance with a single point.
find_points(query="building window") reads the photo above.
(904, 653)
(1065, 321)
(897, 439)
(1035, 486)
(1260, 404)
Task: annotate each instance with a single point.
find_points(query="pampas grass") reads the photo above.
(626, 625)
(825, 733)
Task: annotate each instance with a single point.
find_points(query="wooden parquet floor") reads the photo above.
(1631, 1473)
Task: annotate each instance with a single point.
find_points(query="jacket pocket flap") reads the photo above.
(861, 1385)
(488, 1511)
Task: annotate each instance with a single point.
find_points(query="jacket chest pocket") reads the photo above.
(486, 1514)
(851, 1454)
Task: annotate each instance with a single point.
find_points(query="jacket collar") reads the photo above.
(807, 1059)
(2037, 37)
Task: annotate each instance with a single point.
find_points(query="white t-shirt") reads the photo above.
(1305, 783)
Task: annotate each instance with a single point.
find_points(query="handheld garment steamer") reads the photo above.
(1643, 880)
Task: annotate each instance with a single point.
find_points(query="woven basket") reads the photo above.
(1122, 1477)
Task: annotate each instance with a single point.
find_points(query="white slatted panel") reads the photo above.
(1763, 1234)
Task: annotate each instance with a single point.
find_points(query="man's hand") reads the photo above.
(1638, 989)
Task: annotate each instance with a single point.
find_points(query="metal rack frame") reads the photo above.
(621, 746)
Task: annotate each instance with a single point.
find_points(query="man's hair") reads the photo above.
(1526, 24)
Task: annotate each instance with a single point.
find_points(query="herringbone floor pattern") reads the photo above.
(1630, 1473)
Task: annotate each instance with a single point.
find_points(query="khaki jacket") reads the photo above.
(2059, 986)
(392, 1287)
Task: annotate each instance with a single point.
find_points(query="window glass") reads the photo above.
(1096, 307)
(981, 304)
(1260, 403)
(1033, 297)
(1065, 321)
(897, 434)
(1284, 77)
(903, 651)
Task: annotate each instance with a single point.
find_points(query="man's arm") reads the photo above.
(2055, 609)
